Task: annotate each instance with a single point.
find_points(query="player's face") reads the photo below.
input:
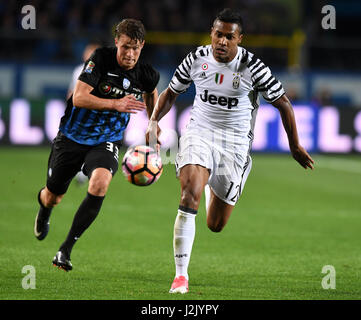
(225, 39)
(128, 51)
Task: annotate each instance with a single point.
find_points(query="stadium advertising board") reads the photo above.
(327, 129)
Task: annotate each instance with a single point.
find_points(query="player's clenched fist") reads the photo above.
(128, 104)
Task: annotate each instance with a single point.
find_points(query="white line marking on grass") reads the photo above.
(340, 164)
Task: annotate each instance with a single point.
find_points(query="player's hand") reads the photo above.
(128, 104)
(152, 134)
(302, 157)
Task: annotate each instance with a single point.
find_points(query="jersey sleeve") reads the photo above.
(150, 78)
(181, 79)
(264, 82)
(93, 68)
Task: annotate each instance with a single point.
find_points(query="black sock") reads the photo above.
(43, 211)
(83, 218)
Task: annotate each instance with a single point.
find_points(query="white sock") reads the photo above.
(183, 237)
(207, 194)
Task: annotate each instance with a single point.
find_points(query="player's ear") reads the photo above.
(116, 41)
(142, 44)
(240, 38)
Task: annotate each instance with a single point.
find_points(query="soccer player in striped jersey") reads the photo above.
(214, 151)
(108, 90)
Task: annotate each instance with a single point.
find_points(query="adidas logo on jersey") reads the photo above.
(222, 101)
(203, 75)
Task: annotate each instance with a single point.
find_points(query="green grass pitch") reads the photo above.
(288, 224)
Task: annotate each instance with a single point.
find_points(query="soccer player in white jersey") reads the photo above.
(214, 152)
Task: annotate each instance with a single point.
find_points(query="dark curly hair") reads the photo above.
(232, 16)
(133, 28)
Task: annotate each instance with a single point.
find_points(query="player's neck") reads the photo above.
(230, 59)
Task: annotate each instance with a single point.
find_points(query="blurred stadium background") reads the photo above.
(272, 249)
(320, 69)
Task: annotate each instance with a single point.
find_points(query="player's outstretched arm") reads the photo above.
(150, 100)
(82, 98)
(164, 104)
(284, 106)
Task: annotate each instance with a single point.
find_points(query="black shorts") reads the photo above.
(67, 158)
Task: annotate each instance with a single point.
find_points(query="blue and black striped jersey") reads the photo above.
(109, 81)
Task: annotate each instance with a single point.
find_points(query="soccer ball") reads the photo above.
(142, 165)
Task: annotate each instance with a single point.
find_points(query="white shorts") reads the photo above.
(229, 163)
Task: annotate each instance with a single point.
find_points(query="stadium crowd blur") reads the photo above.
(65, 27)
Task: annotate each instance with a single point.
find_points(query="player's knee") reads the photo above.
(98, 188)
(191, 197)
(50, 200)
(215, 227)
(99, 182)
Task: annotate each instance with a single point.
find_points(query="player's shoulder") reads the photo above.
(246, 56)
(198, 56)
(145, 65)
(200, 53)
(147, 74)
(105, 52)
(251, 60)
(146, 70)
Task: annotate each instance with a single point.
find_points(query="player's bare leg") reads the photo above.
(218, 213)
(192, 179)
(99, 182)
(84, 217)
(47, 200)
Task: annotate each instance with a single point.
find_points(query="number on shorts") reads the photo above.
(233, 199)
(114, 149)
(110, 146)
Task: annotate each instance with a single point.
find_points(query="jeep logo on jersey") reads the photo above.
(222, 101)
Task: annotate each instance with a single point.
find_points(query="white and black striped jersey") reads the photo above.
(226, 93)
